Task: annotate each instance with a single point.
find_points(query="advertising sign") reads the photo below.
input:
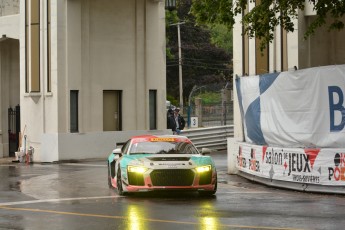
(312, 166)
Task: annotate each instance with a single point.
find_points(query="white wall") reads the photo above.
(323, 48)
(9, 26)
(96, 45)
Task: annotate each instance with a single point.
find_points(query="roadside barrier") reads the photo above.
(211, 137)
(317, 170)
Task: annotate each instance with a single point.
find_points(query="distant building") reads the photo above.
(85, 74)
(287, 52)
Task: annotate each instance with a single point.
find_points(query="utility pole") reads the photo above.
(179, 62)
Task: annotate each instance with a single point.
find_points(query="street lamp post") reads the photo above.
(179, 62)
(171, 5)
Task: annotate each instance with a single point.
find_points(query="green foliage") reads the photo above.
(172, 100)
(334, 9)
(221, 37)
(170, 17)
(203, 62)
(262, 20)
(209, 97)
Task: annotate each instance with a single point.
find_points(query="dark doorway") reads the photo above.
(13, 129)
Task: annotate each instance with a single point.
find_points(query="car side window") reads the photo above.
(125, 147)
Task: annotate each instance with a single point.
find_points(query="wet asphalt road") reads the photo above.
(76, 196)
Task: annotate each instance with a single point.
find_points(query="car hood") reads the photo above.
(153, 160)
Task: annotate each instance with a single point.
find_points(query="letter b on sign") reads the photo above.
(336, 106)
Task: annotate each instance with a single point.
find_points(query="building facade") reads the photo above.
(85, 73)
(286, 52)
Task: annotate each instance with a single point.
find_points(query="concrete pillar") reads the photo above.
(198, 110)
(226, 98)
(233, 146)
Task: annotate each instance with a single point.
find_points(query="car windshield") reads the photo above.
(163, 148)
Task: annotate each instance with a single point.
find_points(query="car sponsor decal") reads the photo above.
(162, 139)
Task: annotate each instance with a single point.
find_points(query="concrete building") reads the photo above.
(85, 73)
(287, 51)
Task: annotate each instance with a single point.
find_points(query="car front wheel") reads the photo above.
(109, 177)
(209, 193)
(119, 183)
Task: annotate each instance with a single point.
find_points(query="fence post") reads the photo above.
(198, 110)
(17, 118)
(226, 97)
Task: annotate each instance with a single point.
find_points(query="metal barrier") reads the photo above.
(211, 137)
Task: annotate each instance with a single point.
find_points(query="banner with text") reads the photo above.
(302, 108)
(312, 166)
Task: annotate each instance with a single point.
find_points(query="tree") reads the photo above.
(265, 16)
(204, 62)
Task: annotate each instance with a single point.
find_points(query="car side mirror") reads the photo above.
(117, 151)
(205, 151)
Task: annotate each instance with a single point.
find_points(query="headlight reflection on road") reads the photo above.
(136, 218)
(208, 219)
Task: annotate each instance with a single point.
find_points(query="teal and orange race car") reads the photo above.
(163, 162)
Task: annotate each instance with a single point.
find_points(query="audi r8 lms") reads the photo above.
(164, 162)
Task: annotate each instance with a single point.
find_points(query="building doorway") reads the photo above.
(13, 130)
(10, 96)
(112, 112)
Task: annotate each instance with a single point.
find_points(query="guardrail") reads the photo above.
(211, 137)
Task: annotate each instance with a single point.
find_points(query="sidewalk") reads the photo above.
(7, 160)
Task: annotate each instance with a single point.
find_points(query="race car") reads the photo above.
(164, 162)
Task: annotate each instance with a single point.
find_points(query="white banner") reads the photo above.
(302, 108)
(311, 166)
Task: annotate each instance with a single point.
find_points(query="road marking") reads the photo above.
(56, 200)
(78, 164)
(141, 219)
(241, 192)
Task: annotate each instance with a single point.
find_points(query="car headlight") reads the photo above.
(136, 169)
(204, 168)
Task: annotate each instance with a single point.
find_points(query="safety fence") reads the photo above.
(211, 137)
(210, 115)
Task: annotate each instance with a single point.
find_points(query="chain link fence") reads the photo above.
(209, 115)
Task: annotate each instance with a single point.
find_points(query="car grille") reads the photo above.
(135, 179)
(205, 178)
(169, 158)
(172, 177)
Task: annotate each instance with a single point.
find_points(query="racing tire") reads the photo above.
(209, 193)
(119, 183)
(109, 177)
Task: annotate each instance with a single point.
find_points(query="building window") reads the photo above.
(74, 128)
(32, 45)
(49, 46)
(245, 48)
(26, 46)
(153, 109)
(284, 52)
(261, 56)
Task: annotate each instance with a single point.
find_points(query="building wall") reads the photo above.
(323, 48)
(95, 46)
